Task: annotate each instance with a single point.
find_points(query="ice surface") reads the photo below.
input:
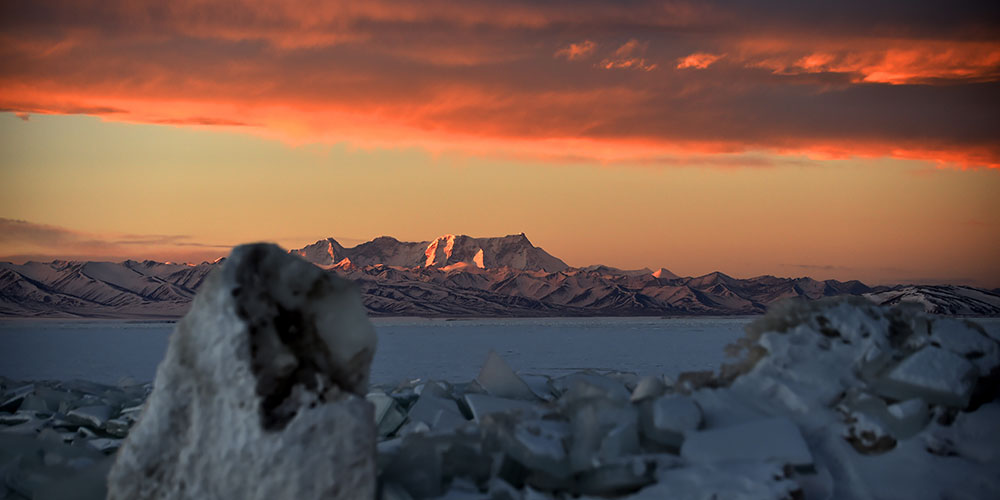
(960, 337)
(408, 348)
(36, 465)
(619, 477)
(725, 407)
(966, 340)
(540, 444)
(868, 435)
(13, 397)
(437, 412)
(933, 374)
(587, 385)
(36, 403)
(648, 387)
(773, 439)
(541, 385)
(118, 427)
(94, 416)
(731, 481)
(908, 417)
(974, 435)
(482, 405)
(19, 418)
(602, 433)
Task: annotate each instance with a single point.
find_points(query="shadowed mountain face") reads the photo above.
(452, 276)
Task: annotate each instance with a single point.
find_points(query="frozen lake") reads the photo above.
(105, 351)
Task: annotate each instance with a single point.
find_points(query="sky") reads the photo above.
(846, 140)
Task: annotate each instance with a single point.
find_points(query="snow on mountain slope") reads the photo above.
(513, 251)
(453, 276)
(20, 296)
(942, 299)
(98, 289)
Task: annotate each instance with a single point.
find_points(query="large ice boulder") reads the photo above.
(261, 393)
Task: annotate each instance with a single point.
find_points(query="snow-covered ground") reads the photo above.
(106, 351)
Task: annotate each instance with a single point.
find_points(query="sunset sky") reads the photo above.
(847, 140)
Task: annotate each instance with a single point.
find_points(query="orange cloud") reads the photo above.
(699, 60)
(627, 57)
(576, 51)
(896, 62)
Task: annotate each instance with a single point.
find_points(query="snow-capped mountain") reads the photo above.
(452, 276)
(513, 251)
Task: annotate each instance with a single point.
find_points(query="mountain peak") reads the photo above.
(514, 251)
(664, 273)
(323, 253)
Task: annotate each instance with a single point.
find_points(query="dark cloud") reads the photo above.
(21, 239)
(820, 267)
(201, 120)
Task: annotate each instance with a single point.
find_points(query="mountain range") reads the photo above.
(452, 276)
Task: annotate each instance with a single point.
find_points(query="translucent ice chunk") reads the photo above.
(499, 380)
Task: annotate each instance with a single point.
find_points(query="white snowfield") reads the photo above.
(832, 399)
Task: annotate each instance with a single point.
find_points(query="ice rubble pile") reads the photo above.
(825, 400)
(56, 438)
(830, 399)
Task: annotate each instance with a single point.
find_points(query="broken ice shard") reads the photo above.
(500, 380)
